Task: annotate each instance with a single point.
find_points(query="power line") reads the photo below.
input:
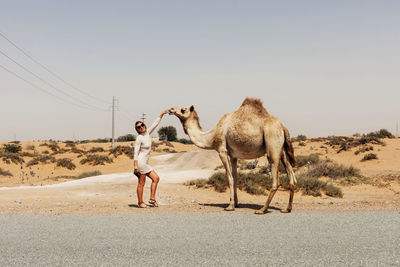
(40, 88)
(51, 72)
(49, 84)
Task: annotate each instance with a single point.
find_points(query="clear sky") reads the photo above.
(322, 67)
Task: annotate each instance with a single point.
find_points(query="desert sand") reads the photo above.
(46, 188)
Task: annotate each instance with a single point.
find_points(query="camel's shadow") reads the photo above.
(241, 206)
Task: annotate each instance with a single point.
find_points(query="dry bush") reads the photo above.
(122, 150)
(369, 156)
(28, 154)
(8, 157)
(5, 172)
(88, 174)
(30, 147)
(11, 148)
(259, 184)
(307, 160)
(198, 183)
(363, 149)
(65, 163)
(251, 165)
(44, 159)
(333, 191)
(96, 150)
(96, 160)
(302, 143)
(332, 170)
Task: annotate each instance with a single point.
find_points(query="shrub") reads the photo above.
(126, 138)
(259, 183)
(252, 164)
(96, 150)
(45, 159)
(184, 141)
(333, 170)
(301, 143)
(307, 160)
(219, 181)
(363, 149)
(300, 137)
(88, 174)
(382, 133)
(122, 150)
(333, 191)
(198, 183)
(96, 160)
(5, 173)
(12, 148)
(8, 157)
(310, 185)
(66, 163)
(369, 156)
(167, 133)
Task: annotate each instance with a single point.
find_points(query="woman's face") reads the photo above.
(141, 127)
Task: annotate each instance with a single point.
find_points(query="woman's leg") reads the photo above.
(141, 182)
(155, 179)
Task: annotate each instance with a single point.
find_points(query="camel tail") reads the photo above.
(289, 147)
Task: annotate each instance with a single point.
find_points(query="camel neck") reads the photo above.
(199, 138)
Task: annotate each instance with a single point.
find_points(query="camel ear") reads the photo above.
(191, 108)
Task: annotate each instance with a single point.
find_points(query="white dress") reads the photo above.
(143, 148)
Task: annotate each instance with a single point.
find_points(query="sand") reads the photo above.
(49, 190)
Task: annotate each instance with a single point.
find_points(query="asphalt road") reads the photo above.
(182, 239)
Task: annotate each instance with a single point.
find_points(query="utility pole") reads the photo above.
(113, 121)
(143, 117)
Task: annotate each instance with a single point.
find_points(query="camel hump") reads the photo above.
(255, 103)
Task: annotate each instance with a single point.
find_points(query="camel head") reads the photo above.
(182, 113)
(185, 114)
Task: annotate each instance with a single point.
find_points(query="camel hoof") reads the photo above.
(229, 208)
(286, 211)
(260, 212)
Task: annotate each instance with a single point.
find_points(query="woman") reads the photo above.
(141, 156)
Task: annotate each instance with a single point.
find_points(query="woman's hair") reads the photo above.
(136, 123)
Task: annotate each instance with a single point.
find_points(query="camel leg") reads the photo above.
(226, 160)
(292, 182)
(274, 156)
(234, 174)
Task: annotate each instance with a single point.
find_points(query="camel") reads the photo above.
(249, 132)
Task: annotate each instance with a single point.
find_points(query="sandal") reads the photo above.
(142, 205)
(153, 202)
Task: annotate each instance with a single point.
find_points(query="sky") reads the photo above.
(322, 67)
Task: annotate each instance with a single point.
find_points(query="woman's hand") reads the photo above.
(163, 113)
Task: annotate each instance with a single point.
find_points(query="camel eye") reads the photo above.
(182, 111)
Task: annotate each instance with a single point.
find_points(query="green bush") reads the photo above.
(167, 133)
(300, 137)
(126, 138)
(310, 185)
(363, 149)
